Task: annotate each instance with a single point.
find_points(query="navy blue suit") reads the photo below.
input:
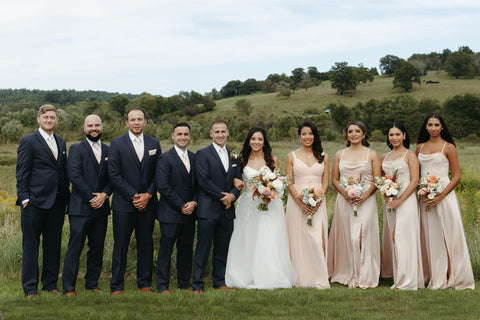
(215, 223)
(43, 180)
(128, 177)
(177, 187)
(87, 176)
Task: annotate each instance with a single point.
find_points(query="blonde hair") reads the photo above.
(46, 107)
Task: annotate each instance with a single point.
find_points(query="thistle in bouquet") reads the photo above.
(312, 196)
(267, 185)
(388, 186)
(353, 188)
(429, 187)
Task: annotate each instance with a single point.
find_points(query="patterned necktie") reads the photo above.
(96, 151)
(139, 149)
(52, 147)
(185, 161)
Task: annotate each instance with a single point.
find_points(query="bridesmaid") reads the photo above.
(354, 242)
(448, 262)
(401, 251)
(308, 166)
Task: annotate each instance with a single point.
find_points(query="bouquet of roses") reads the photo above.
(430, 186)
(267, 185)
(311, 197)
(388, 186)
(353, 187)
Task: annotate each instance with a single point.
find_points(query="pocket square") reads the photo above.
(234, 165)
(106, 158)
(152, 152)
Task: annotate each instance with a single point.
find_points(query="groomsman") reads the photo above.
(215, 169)
(42, 194)
(89, 206)
(175, 178)
(131, 166)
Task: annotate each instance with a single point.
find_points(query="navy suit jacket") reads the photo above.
(87, 176)
(213, 180)
(128, 175)
(39, 176)
(176, 186)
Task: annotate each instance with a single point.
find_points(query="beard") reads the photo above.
(94, 139)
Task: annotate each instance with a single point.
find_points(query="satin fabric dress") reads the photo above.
(446, 251)
(401, 250)
(354, 242)
(258, 256)
(308, 244)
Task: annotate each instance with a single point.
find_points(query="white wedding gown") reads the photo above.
(258, 256)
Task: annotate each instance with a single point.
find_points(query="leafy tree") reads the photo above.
(208, 102)
(149, 104)
(459, 64)
(269, 86)
(118, 103)
(364, 75)
(306, 82)
(231, 89)
(340, 113)
(249, 86)
(389, 64)
(297, 76)
(13, 130)
(285, 92)
(315, 76)
(244, 106)
(463, 114)
(343, 78)
(406, 75)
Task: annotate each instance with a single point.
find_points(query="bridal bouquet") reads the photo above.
(267, 185)
(430, 186)
(388, 186)
(311, 197)
(353, 187)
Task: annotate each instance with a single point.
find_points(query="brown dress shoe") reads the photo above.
(70, 294)
(96, 290)
(188, 289)
(225, 288)
(198, 292)
(55, 291)
(166, 292)
(32, 296)
(145, 289)
(117, 293)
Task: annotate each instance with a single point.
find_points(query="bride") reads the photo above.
(258, 256)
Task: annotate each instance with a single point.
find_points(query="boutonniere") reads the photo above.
(233, 156)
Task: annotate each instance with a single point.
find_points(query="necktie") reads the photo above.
(185, 161)
(96, 151)
(52, 147)
(139, 149)
(224, 158)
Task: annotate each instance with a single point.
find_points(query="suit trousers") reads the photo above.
(48, 224)
(81, 227)
(219, 231)
(182, 234)
(124, 223)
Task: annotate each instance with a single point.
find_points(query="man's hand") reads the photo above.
(227, 199)
(140, 200)
(98, 201)
(188, 208)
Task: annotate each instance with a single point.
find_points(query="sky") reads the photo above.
(166, 46)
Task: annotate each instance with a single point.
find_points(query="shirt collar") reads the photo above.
(133, 137)
(90, 142)
(180, 152)
(45, 135)
(217, 147)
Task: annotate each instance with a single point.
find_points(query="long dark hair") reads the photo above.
(317, 143)
(401, 127)
(362, 127)
(267, 149)
(424, 136)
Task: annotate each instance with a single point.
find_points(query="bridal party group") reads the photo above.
(231, 204)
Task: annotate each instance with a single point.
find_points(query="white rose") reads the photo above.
(394, 192)
(312, 202)
(277, 184)
(261, 188)
(388, 193)
(431, 196)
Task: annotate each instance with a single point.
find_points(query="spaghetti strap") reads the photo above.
(341, 157)
(386, 157)
(403, 158)
(368, 152)
(294, 155)
(421, 148)
(443, 148)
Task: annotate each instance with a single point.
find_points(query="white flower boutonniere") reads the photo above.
(233, 156)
